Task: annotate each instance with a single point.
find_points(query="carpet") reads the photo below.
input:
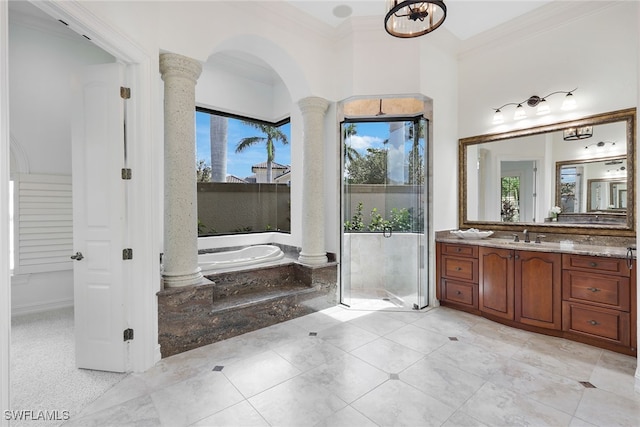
(45, 382)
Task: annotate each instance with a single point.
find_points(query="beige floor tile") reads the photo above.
(397, 403)
(260, 372)
(387, 355)
(189, 401)
(296, 402)
(347, 377)
(496, 406)
(603, 408)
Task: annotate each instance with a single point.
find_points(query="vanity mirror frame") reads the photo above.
(627, 116)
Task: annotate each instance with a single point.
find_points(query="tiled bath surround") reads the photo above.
(237, 302)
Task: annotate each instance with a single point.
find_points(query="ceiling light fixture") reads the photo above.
(573, 134)
(569, 103)
(407, 19)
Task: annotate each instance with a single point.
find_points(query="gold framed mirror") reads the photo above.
(514, 180)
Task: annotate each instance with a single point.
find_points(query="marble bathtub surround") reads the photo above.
(180, 260)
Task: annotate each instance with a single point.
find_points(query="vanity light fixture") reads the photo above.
(575, 133)
(599, 144)
(569, 103)
(411, 18)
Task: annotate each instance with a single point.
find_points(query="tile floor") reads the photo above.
(366, 368)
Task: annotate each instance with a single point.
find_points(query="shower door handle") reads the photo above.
(387, 232)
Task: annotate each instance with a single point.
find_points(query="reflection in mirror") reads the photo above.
(518, 177)
(593, 187)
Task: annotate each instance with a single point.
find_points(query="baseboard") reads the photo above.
(38, 308)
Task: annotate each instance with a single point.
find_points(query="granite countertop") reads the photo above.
(566, 246)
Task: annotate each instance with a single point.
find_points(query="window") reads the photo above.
(243, 173)
(510, 199)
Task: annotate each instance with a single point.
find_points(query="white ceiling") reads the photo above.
(465, 18)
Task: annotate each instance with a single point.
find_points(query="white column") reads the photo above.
(313, 251)
(180, 259)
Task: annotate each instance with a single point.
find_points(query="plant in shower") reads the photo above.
(401, 219)
(356, 223)
(378, 223)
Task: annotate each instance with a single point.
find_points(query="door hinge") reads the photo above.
(125, 92)
(127, 253)
(126, 173)
(128, 334)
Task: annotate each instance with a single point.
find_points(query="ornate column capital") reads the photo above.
(174, 65)
(313, 104)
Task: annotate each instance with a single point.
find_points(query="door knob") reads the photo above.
(78, 256)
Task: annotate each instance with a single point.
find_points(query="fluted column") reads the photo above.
(313, 110)
(180, 260)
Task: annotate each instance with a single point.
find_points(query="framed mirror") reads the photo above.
(583, 168)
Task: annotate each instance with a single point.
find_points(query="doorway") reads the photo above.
(383, 214)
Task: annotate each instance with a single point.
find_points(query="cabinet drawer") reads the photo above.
(594, 264)
(607, 290)
(597, 322)
(460, 268)
(460, 250)
(460, 293)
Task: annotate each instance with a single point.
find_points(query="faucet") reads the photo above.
(526, 236)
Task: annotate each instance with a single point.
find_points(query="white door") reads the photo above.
(99, 218)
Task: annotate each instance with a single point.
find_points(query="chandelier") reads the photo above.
(406, 19)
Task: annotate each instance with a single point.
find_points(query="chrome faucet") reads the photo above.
(526, 236)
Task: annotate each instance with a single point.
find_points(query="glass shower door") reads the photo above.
(383, 244)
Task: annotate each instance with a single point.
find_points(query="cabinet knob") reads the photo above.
(458, 293)
(593, 264)
(458, 268)
(458, 249)
(593, 289)
(593, 322)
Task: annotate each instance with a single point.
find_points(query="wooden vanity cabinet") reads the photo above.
(525, 286)
(538, 289)
(496, 284)
(597, 299)
(458, 275)
(591, 299)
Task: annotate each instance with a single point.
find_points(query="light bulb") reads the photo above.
(520, 113)
(498, 118)
(569, 102)
(543, 108)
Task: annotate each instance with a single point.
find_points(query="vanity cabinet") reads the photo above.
(524, 286)
(458, 275)
(597, 298)
(497, 282)
(584, 298)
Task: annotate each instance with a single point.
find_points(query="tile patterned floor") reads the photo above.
(439, 367)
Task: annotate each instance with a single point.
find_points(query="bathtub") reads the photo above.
(230, 260)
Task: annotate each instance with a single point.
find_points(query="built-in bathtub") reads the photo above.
(239, 258)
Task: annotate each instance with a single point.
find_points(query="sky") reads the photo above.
(239, 164)
(369, 135)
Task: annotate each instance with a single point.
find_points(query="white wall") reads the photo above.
(596, 52)
(42, 59)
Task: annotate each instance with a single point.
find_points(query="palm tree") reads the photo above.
(350, 153)
(271, 134)
(218, 141)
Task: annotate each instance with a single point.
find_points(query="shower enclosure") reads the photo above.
(384, 250)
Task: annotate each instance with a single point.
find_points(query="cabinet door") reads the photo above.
(496, 282)
(538, 289)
